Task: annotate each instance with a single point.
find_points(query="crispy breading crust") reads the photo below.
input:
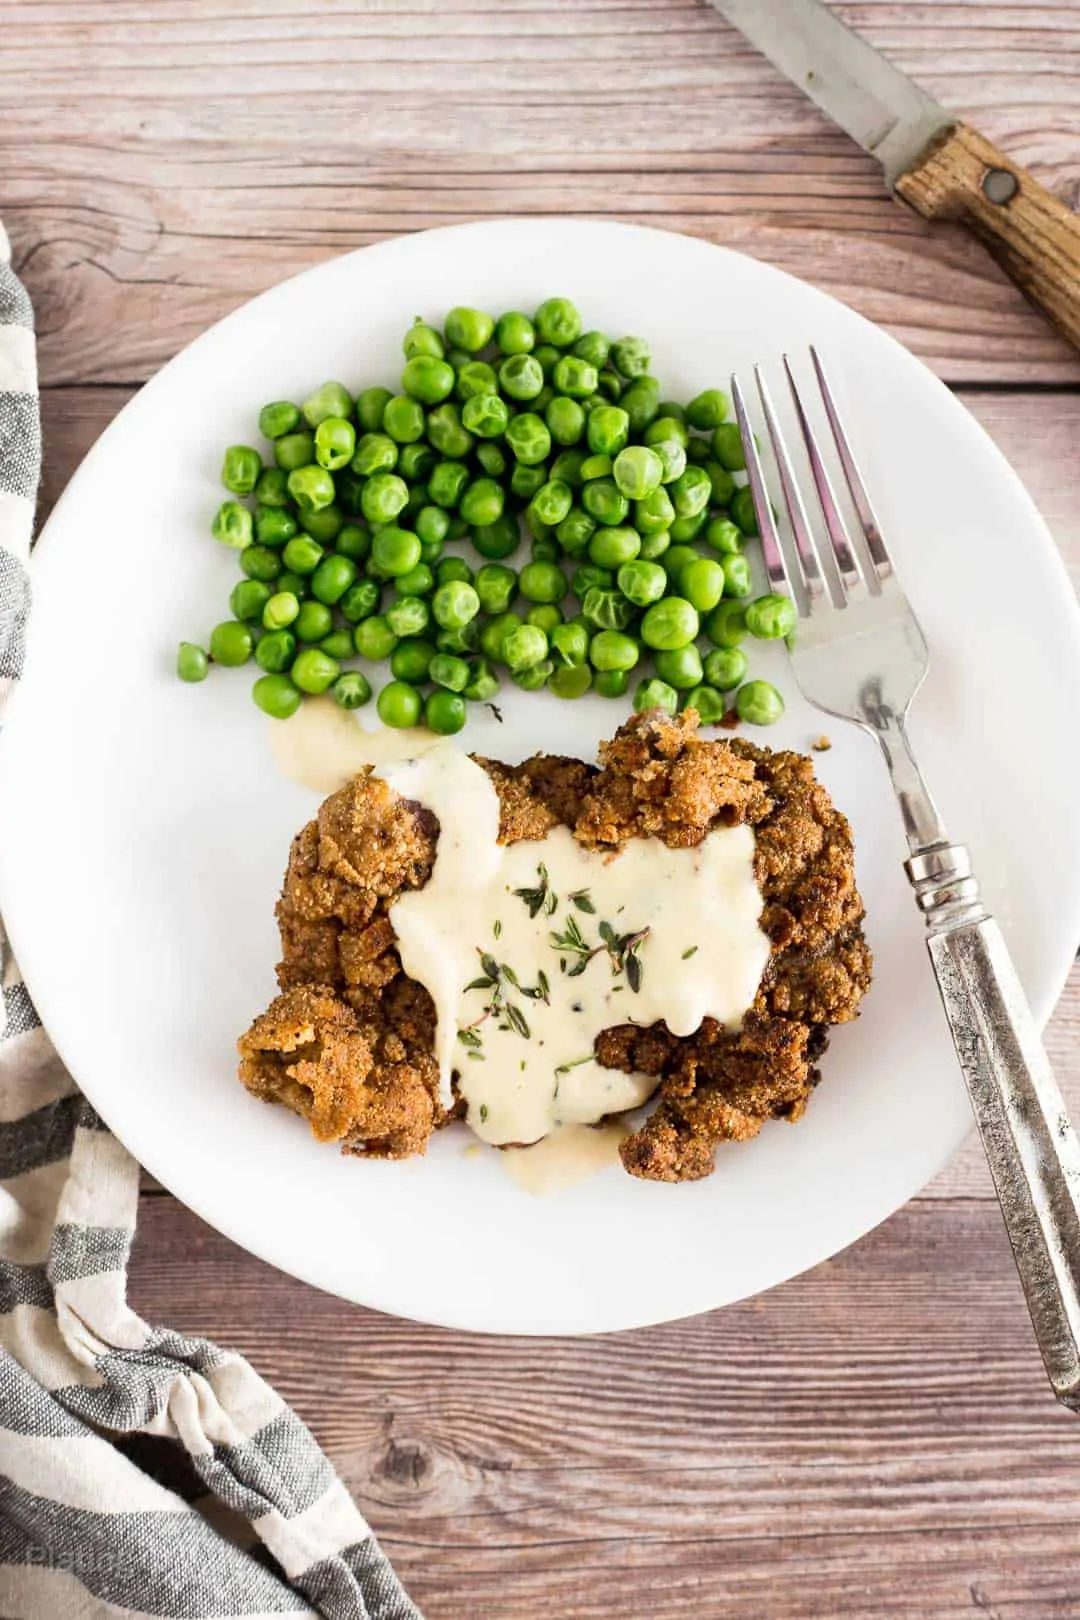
(349, 1041)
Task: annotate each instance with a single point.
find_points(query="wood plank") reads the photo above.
(873, 1439)
(257, 139)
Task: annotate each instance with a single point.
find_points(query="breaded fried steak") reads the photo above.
(349, 1043)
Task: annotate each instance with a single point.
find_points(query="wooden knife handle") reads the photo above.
(1033, 236)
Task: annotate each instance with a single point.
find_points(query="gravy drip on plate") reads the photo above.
(529, 950)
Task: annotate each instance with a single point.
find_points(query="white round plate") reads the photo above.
(146, 829)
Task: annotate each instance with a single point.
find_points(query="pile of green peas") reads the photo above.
(386, 526)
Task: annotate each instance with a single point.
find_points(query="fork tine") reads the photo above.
(849, 569)
(805, 544)
(875, 542)
(781, 578)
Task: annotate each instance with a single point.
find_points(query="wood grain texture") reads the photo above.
(161, 163)
(1029, 231)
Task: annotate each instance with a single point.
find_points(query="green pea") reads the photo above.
(294, 450)
(654, 512)
(332, 399)
(641, 402)
(723, 536)
(261, 563)
(427, 378)
(247, 600)
(192, 663)
(680, 667)
(759, 703)
(654, 545)
(525, 480)
(360, 601)
(233, 525)
(575, 531)
(642, 582)
(415, 461)
(676, 559)
(669, 624)
(609, 385)
(683, 530)
(231, 643)
(631, 356)
(485, 415)
(595, 467)
(611, 683)
(603, 500)
(534, 677)
(698, 452)
(546, 356)
(495, 586)
(349, 488)
(447, 432)
(419, 581)
(370, 405)
(528, 438)
(569, 643)
(275, 652)
(326, 524)
(408, 616)
(656, 695)
(558, 323)
(727, 446)
(742, 510)
(543, 582)
(611, 649)
(664, 427)
(702, 583)
(271, 490)
(565, 420)
(552, 502)
(737, 577)
(690, 492)
(375, 452)
(338, 644)
(726, 624)
(725, 668)
(497, 540)
(523, 646)
(431, 552)
(302, 555)
(463, 640)
(546, 616)
(469, 329)
(707, 701)
(482, 503)
(291, 581)
(399, 705)
(311, 488)
(770, 617)
(448, 480)
(606, 609)
(335, 441)
(575, 377)
(673, 459)
(394, 551)
(280, 610)
(422, 339)
(492, 458)
(444, 713)
(566, 468)
(483, 682)
(411, 659)
(276, 696)
(589, 575)
(708, 409)
(720, 481)
(385, 495)
(607, 430)
(373, 638)
(493, 632)
(515, 333)
(351, 690)
(544, 548)
(278, 419)
(454, 604)
(570, 680)
(593, 347)
(241, 468)
(453, 568)
(453, 673)
(313, 622)
(273, 526)
(611, 547)
(354, 541)
(332, 579)
(403, 417)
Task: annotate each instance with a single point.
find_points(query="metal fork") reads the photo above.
(860, 655)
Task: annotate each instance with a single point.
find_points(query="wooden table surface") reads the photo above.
(875, 1438)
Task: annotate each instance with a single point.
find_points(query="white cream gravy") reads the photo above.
(688, 918)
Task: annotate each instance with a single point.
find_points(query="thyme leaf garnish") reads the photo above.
(583, 900)
(687, 954)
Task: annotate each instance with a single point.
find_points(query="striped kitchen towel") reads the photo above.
(141, 1472)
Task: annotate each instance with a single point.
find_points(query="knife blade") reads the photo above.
(876, 104)
(938, 165)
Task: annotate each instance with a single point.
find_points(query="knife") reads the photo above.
(943, 168)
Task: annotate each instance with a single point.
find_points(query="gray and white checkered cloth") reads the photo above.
(141, 1472)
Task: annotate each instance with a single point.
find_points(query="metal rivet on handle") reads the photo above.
(1000, 185)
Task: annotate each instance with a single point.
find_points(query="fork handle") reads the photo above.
(1030, 1144)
